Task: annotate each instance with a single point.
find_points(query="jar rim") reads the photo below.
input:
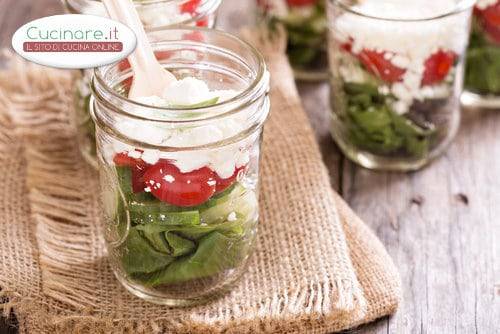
(149, 2)
(261, 78)
(461, 6)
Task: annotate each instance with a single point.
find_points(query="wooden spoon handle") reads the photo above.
(150, 78)
(142, 59)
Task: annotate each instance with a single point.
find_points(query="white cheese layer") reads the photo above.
(223, 160)
(407, 45)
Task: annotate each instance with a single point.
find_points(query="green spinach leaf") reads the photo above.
(216, 252)
(139, 256)
(372, 124)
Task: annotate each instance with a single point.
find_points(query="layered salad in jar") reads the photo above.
(305, 24)
(483, 57)
(153, 14)
(181, 222)
(396, 75)
(157, 13)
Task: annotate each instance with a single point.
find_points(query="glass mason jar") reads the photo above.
(306, 25)
(396, 72)
(482, 74)
(180, 184)
(155, 14)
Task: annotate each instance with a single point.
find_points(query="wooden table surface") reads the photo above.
(441, 225)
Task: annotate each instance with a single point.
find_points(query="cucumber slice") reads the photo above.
(241, 201)
(146, 215)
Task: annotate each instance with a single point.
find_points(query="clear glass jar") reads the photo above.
(482, 74)
(155, 14)
(180, 185)
(306, 25)
(396, 72)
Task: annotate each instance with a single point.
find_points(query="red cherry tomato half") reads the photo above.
(437, 67)
(190, 6)
(138, 178)
(299, 3)
(138, 167)
(376, 63)
(171, 186)
(223, 184)
(124, 160)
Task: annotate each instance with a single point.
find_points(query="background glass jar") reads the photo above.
(155, 14)
(305, 24)
(180, 186)
(396, 77)
(482, 75)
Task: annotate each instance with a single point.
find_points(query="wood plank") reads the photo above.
(441, 225)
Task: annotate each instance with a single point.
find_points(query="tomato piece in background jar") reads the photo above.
(305, 24)
(395, 75)
(190, 7)
(299, 3)
(438, 66)
(489, 19)
(377, 64)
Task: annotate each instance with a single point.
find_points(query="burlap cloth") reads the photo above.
(317, 268)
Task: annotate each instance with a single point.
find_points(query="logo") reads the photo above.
(74, 41)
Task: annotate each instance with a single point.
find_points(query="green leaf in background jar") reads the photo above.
(373, 125)
(215, 253)
(306, 43)
(139, 256)
(415, 137)
(483, 70)
(301, 56)
(355, 89)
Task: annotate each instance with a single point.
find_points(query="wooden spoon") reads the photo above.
(150, 78)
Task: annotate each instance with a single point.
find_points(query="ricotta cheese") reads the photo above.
(223, 160)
